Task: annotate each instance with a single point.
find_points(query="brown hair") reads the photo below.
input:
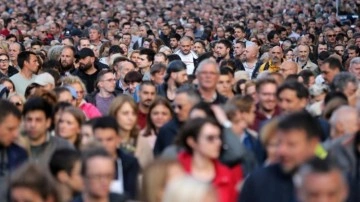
(263, 81)
(80, 119)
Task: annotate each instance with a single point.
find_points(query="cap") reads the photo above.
(44, 79)
(85, 52)
(76, 32)
(72, 91)
(174, 66)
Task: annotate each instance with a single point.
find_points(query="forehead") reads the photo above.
(99, 160)
(208, 67)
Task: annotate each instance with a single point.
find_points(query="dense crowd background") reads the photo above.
(179, 101)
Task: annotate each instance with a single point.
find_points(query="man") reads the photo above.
(55, 31)
(160, 57)
(239, 50)
(292, 96)
(10, 24)
(288, 68)
(276, 58)
(127, 39)
(145, 61)
(339, 49)
(104, 93)
(207, 75)
(65, 167)
(303, 60)
(353, 51)
(126, 28)
(240, 34)
(320, 180)
(29, 66)
(143, 28)
(14, 51)
(37, 116)
(330, 68)
(252, 61)
(67, 60)
(224, 85)
(87, 71)
(188, 56)
(6, 70)
(273, 38)
(147, 94)
(158, 71)
(222, 50)
(355, 67)
(84, 43)
(299, 135)
(175, 77)
(184, 100)
(174, 42)
(348, 84)
(95, 36)
(122, 66)
(45, 81)
(106, 131)
(12, 155)
(97, 179)
(198, 29)
(330, 37)
(322, 47)
(165, 34)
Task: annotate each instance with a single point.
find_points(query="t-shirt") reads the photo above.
(89, 80)
(188, 60)
(21, 83)
(103, 103)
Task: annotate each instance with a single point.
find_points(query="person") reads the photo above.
(320, 180)
(14, 51)
(69, 125)
(17, 100)
(184, 100)
(292, 96)
(251, 62)
(102, 97)
(147, 94)
(200, 138)
(276, 58)
(239, 50)
(157, 73)
(207, 75)
(124, 109)
(303, 60)
(145, 61)
(348, 84)
(156, 176)
(122, 66)
(330, 68)
(67, 60)
(222, 50)
(6, 70)
(32, 182)
(12, 155)
(97, 179)
(29, 66)
(224, 85)
(355, 67)
(160, 112)
(188, 56)
(65, 167)
(175, 77)
(299, 136)
(37, 116)
(269, 141)
(288, 68)
(45, 81)
(106, 131)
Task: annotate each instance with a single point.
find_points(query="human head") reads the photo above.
(86, 58)
(276, 54)
(184, 100)
(28, 60)
(207, 74)
(174, 41)
(147, 93)
(146, 58)
(160, 112)
(266, 94)
(14, 50)
(292, 96)
(160, 58)
(176, 73)
(344, 121)
(307, 77)
(346, 83)
(84, 43)
(355, 67)
(185, 45)
(158, 73)
(105, 81)
(10, 118)
(288, 68)
(94, 33)
(106, 131)
(273, 37)
(75, 83)
(69, 125)
(122, 66)
(251, 53)
(239, 48)
(199, 47)
(67, 58)
(303, 52)
(133, 79)
(225, 81)
(330, 68)
(222, 48)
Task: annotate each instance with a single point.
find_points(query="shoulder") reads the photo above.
(129, 158)
(60, 142)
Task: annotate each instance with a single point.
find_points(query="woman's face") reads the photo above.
(160, 115)
(9, 86)
(126, 117)
(68, 127)
(289, 56)
(208, 143)
(80, 92)
(87, 134)
(146, 44)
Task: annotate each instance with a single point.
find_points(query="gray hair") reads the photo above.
(95, 27)
(342, 79)
(339, 115)
(355, 61)
(207, 62)
(54, 52)
(191, 93)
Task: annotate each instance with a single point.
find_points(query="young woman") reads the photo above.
(124, 109)
(69, 125)
(8, 84)
(201, 139)
(160, 112)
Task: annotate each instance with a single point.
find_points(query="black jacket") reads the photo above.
(11, 71)
(166, 136)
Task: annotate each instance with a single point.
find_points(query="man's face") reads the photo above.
(221, 50)
(12, 24)
(239, 34)
(36, 124)
(180, 77)
(331, 36)
(220, 32)
(303, 53)
(198, 49)
(224, 84)
(185, 46)
(160, 59)
(108, 138)
(357, 42)
(322, 47)
(143, 62)
(276, 54)
(267, 97)
(112, 26)
(107, 83)
(208, 77)
(165, 30)
(94, 35)
(174, 43)
(180, 32)
(327, 73)
(294, 148)
(276, 39)
(98, 178)
(54, 30)
(182, 106)
(318, 187)
(126, 39)
(352, 53)
(75, 180)
(67, 58)
(158, 78)
(142, 31)
(4, 62)
(355, 69)
(126, 29)
(238, 50)
(84, 44)
(125, 68)
(283, 35)
(132, 87)
(9, 130)
(85, 63)
(289, 102)
(147, 95)
(340, 50)
(32, 64)
(14, 50)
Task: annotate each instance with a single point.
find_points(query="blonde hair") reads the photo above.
(5, 46)
(69, 80)
(268, 132)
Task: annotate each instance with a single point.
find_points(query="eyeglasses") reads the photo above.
(212, 138)
(4, 60)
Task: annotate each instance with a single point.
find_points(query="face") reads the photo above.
(239, 34)
(224, 84)
(322, 48)
(238, 49)
(94, 35)
(331, 36)
(158, 78)
(4, 63)
(126, 39)
(352, 53)
(165, 30)
(23, 194)
(108, 138)
(80, 92)
(143, 62)
(126, 117)
(180, 77)
(289, 56)
(126, 29)
(174, 43)
(198, 49)
(98, 178)
(107, 83)
(9, 130)
(317, 187)
(303, 53)
(208, 143)
(276, 39)
(294, 148)
(135, 57)
(355, 69)
(66, 97)
(67, 58)
(14, 50)
(160, 115)
(185, 46)
(159, 59)
(86, 63)
(147, 95)
(132, 87)
(68, 127)
(208, 76)
(125, 68)
(182, 106)
(276, 54)
(340, 50)
(267, 97)
(36, 124)
(327, 73)
(289, 102)
(221, 50)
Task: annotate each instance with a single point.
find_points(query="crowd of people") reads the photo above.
(179, 101)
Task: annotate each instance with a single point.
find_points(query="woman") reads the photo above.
(289, 55)
(69, 125)
(124, 109)
(160, 112)
(89, 109)
(201, 140)
(270, 141)
(8, 84)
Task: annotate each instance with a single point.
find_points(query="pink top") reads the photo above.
(90, 110)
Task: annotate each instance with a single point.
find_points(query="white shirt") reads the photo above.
(188, 60)
(117, 185)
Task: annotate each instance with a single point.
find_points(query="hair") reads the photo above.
(92, 152)
(80, 118)
(192, 129)
(147, 83)
(24, 56)
(301, 121)
(63, 160)
(133, 76)
(191, 93)
(305, 75)
(115, 49)
(226, 43)
(243, 103)
(263, 81)
(156, 68)
(355, 61)
(301, 91)
(103, 47)
(7, 108)
(38, 104)
(150, 54)
(100, 76)
(268, 132)
(155, 177)
(69, 80)
(5, 47)
(334, 63)
(175, 36)
(206, 108)
(106, 122)
(271, 35)
(206, 62)
(54, 52)
(36, 178)
(342, 79)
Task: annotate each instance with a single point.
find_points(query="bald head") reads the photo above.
(344, 121)
(251, 52)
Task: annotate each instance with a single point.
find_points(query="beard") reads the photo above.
(85, 67)
(66, 67)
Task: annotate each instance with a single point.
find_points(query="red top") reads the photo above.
(225, 181)
(141, 119)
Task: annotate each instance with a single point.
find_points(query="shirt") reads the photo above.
(21, 83)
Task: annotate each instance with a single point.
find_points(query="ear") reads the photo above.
(191, 142)
(62, 176)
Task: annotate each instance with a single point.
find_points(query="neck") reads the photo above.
(267, 112)
(72, 139)
(4, 71)
(276, 63)
(65, 192)
(207, 94)
(88, 198)
(171, 86)
(144, 109)
(90, 71)
(144, 70)
(125, 135)
(201, 163)
(14, 63)
(251, 61)
(26, 73)
(39, 141)
(104, 94)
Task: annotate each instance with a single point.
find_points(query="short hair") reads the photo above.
(301, 91)
(24, 56)
(305, 75)
(200, 42)
(115, 49)
(101, 75)
(106, 122)
(95, 27)
(333, 63)
(133, 76)
(156, 68)
(301, 121)
(342, 79)
(150, 54)
(191, 93)
(69, 38)
(263, 81)
(63, 160)
(243, 103)
(271, 35)
(36, 43)
(354, 47)
(176, 36)
(206, 62)
(226, 43)
(38, 104)
(355, 60)
(7, 108)
(92, 153)
(147, 83)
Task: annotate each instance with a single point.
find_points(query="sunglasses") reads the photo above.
(212, 138)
